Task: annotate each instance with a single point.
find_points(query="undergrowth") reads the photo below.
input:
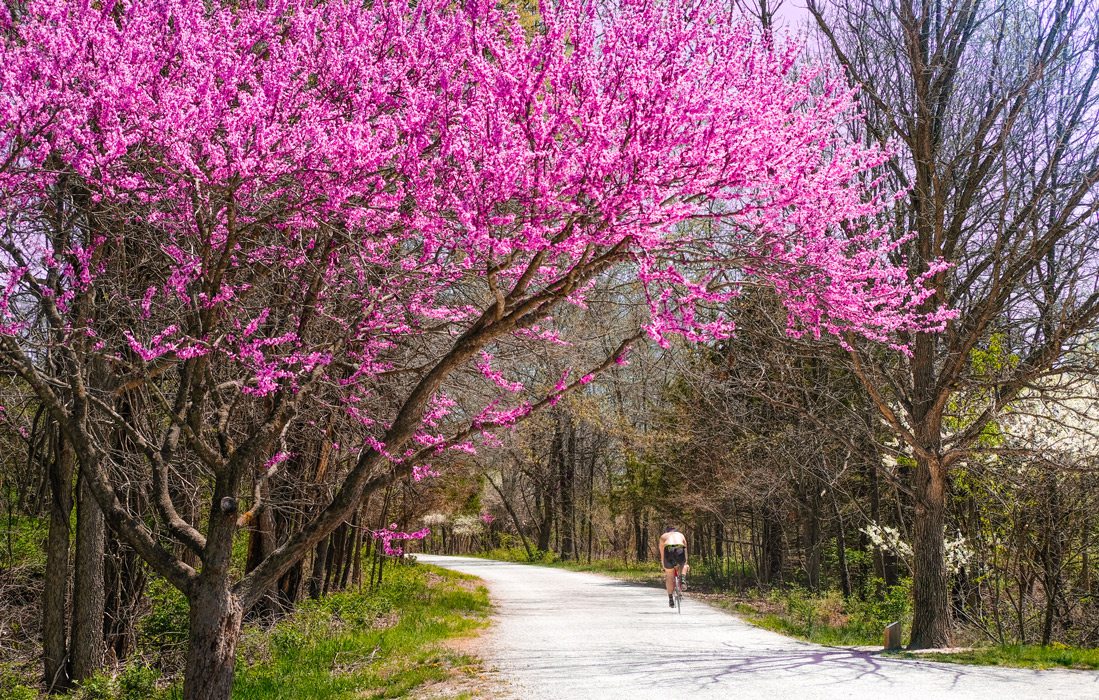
(1055, 655)
(374, 644)
(370, 645)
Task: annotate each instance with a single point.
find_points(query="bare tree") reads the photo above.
(991, 105)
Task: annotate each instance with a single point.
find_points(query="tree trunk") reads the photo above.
(54, 648)
(89, 597)
(351, 550)
(216, 617)
(124, 583)
(335, 551)
(544, 501)
(772, 555)
(1085, 561)
(360, 542)
(316, 577)
(841, 549)
(216, 614)
(566, 473)
(290, 587)
(812, 537)
(591, 498)
(641, 542)
(1051, 554)
(931, 612)
(511, 514)
(261, 542)
(875, 516)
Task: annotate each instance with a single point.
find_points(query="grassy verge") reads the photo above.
(1053, 656)
(817, 620)
(615, 568)
(377, 645)
(380, 644)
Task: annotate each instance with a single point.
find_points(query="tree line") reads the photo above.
(265, 268)
(988, 108)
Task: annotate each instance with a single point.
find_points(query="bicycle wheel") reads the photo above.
(678, 596)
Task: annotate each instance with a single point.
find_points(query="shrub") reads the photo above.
(518, 553)
(12, 687)
(162, 632)
(137, 682)
(98, 687)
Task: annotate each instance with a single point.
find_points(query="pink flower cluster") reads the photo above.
(388, 535)
(316, 186)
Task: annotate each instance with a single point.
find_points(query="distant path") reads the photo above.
(562, 635)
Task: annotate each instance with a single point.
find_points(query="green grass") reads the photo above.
(817, 631)
(1053, 656)
(826, 617)
(22, 541)
(626, 570)
(617, 568)
(376, 645)
(380, 644)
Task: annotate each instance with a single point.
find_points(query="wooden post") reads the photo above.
(892, 636)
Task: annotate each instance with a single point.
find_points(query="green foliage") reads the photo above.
(137, 682)
(991, 360)
(365, 645)
(99, 687)
(23, 542)
(637, 484)
(722, 574)
(988, 363)
(12, 686)
(1054, 656)
(166, 626)
(826, 617)
(892, 604)
(239, 556)
(519, 554)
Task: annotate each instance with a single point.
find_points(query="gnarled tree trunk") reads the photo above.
(89, 597)
(931, 619)
(55, 597)
(216, 616)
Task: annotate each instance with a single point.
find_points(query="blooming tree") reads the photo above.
(250, 213)
(1056, 422)
(388, 535)
(888, 539)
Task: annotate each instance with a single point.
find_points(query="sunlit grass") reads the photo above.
(372, 645)
(1053, 656)
(617, 568)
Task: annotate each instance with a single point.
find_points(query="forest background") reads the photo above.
(952, 486)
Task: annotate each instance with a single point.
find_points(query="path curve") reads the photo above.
(563, 634)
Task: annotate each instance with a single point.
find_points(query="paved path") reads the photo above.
(563, 635)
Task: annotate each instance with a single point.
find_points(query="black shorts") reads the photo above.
(674, 555)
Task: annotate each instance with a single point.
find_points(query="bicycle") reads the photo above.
(678, 592)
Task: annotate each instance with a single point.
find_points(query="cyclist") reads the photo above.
(673, 555)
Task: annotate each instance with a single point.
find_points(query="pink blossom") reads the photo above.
(361, 198)
(389, 535)
(485, 366)
(423, 471)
